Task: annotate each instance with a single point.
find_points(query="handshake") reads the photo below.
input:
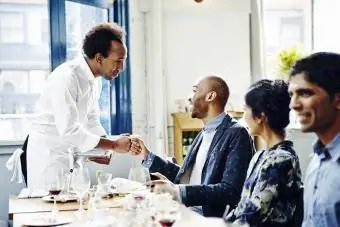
(123, 144)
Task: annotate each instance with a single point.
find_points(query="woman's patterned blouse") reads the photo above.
(270, 190)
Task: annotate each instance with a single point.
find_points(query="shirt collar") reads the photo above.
(86, 69)
(285, 144)
(214, 123)
(330, 150)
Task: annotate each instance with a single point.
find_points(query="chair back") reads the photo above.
(298, 213)
(23, 160)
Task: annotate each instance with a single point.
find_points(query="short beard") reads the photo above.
(194, 115)
(199, 115)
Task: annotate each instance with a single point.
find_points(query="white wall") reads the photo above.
(326, 14)
(182, 41)
(197, 44)
(303, 145)
(138, 67)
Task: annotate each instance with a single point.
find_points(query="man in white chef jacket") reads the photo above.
(68, 109)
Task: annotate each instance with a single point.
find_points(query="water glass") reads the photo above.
(139, 174)
(167, 211)
(54, 183)
(104, 181)
(81, 185)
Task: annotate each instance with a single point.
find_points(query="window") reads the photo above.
(12, 27)
(286, 24)
(27, 56)
(23, 66)
(325, 16)
(38, 33)
(79, 19)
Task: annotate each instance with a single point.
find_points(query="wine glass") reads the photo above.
(81, 184)
(104, 180)
(141, 175)
(54, 182)
(167, 211)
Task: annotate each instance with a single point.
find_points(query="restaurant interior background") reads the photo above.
(171, 44)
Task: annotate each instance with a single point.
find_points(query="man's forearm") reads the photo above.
(106, 144)
(168, 169)
(198, 195)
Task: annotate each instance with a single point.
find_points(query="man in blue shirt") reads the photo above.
(315, 96)
(215, 167)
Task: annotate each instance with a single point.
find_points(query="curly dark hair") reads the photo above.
(322, 69)
(270, 97)
(98, 39)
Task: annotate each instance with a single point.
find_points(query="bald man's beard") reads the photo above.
(199, 111)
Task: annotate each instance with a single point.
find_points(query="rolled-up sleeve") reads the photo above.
(147, 162)
(157, 164)
(66, 116)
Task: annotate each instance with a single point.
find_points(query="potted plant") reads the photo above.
(287, 58)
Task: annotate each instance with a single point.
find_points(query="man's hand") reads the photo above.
(158, 176)
(122, 144)
(138, 147)
(165, 186)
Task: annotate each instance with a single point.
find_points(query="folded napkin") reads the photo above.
(14, 164)
(27, 193)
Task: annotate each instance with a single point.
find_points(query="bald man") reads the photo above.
(215, 167)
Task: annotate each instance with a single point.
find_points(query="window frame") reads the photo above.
(23, 25)
(119, 89)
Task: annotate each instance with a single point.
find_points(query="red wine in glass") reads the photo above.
(139, 197)
(55, 191)
(166, 222)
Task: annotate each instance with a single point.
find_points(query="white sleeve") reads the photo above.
(93, 123)
(93, 116)
(63, 97)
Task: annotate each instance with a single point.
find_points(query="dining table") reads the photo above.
(23, 212)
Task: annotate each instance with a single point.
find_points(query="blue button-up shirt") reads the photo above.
(322, 186)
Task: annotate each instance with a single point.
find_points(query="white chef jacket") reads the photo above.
(68, 116)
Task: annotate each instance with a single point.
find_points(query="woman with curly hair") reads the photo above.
(271, 192)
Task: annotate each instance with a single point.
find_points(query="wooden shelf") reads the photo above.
(236, 114)
(184, 123)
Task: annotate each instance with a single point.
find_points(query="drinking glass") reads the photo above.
(54, 183)
(139, 174)
(81, 185)
(168, 215)
(104, 181)
(167, 211)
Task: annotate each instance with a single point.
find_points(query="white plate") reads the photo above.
(45, 221)
(125, 186)
(60, 198)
